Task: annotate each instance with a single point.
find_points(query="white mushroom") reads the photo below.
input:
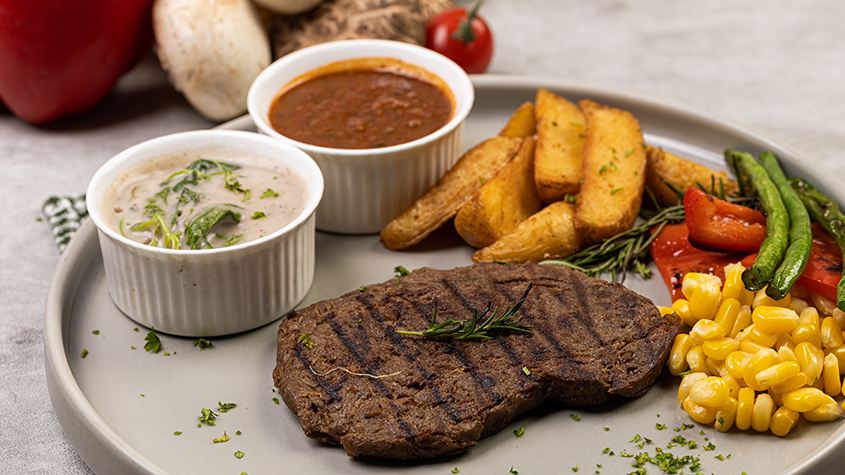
(212, 50)
(289, 7)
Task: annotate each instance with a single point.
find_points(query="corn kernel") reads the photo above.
(755, 333)
(736, 361)
(791, 384)
(809, 315)
(714, 367)
(783, 421)
(697, 360)
(699, 413)
(743, 319)
(750, 346)
(760, 361)
(806, 332)
(797, 305)
(786, 354)
(686, 384)
(744, 408)
(818, 384)
(839, 353)
(719, 349)
(804, 399)
(681, 307)
(707, 330)
(726, 415)
(703, 291)
(830, 376)
(710, 392)
(727, 313)
(784, 340)
(823, 304)
(761, 413)
(777, 398)
(774, 319)
(839, 316)
(827, 412)
(831, 333)
(777, 373)
(761, 299)
(733, 384)
(811, 360)
(734, 287)
(678, 354)
(665, 310)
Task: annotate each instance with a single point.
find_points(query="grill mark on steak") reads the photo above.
(328, 388)
(394, 337)
(583, 306)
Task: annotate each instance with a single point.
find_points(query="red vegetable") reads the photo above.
(675, 256)
(824, 268)
(462, 37)
(61, 57)
(719, 225)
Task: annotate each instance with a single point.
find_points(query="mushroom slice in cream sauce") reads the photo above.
(204, 198)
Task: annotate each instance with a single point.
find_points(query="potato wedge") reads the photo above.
(560, 145)
(664, 167)
(445, 198)
(503, 202)
(521, 124)
(548, 234)
(614, 172)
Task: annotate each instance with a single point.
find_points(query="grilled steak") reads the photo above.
(354, 381)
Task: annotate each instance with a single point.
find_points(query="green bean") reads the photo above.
(777, 220)
(826, 212)
(800, 236)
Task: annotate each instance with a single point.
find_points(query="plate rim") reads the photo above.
(88, 432)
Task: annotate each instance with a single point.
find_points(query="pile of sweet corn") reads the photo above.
(751, 361)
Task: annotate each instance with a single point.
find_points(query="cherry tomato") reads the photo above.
(451, 34)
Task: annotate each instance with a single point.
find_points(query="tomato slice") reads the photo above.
(824, 268)
(675, 256)
(719, 225)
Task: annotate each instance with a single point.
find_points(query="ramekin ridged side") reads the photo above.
(213, 294)
(209, 292)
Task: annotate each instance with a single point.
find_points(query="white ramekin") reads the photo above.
(366, 189)
(216, 291)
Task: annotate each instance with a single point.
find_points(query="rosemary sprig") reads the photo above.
(471, 329)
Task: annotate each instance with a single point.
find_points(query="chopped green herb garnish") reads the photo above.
(575, 417)
(166, 353)
(571, 199)
(709, 447)
(202, 343)
(526, 371)
(692, 444)
(178, 432)
(96, 332)
(136, 329)
(207, 417)
(554, 123)
(153, 343)
(519, 432)
(363, 288)
(575, 122)
(617, 190)
(625, 454)
(258, 215)
(482, 180)
(606, 450)
(222, 438)
(143, 395)
(276, 400)
(514, 472)
(455, 470)
(635, 438)
(238, 433)
(269, 194)
(628, 152)
(133, 347)
(660, 426)
(239, 454)
(687, 426)
(607, 429)
(225, 406)
(575, 468)
(720, 457)
(84, 352)
(401, 271)
(305, 339)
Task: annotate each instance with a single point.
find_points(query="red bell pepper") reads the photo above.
(824, 267)
(61, 57)
(675, 256)
(719, 225)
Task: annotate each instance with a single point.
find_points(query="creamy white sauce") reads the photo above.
(135, 201)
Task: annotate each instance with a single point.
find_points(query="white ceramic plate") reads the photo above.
(120, 407)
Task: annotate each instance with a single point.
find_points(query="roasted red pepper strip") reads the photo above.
(61, 57)
(675, 256)
(824, 269)
(719, 225)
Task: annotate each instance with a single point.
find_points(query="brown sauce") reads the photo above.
(360, 109)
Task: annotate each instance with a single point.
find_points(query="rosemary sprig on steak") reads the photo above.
(469, 329)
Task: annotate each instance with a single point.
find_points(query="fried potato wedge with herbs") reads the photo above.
(443, 200)
(662, 167)
(521, 124)
(560, 145)
(614, 172)
(548, 234)
(503, 202)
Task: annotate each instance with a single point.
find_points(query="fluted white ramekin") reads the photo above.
(366, 189)
(214, 291)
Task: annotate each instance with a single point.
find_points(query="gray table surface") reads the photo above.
(774, 66)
